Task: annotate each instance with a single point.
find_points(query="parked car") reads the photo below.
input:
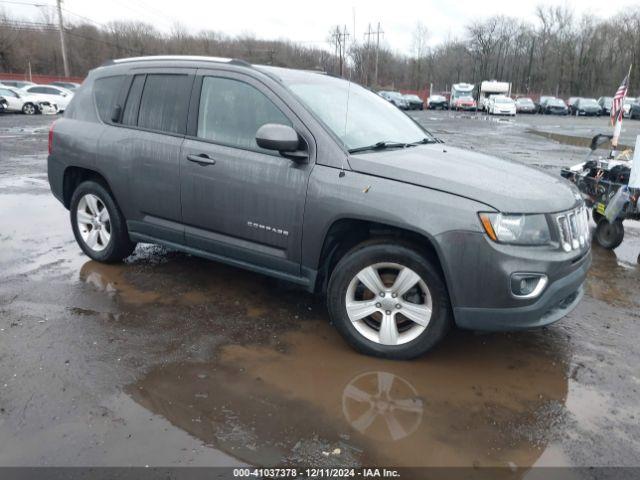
(634, 111)
(17, 100)
(554, 106)
(626, 106)
(605, 104)
(586, 107)
(501, 105)
(464, 103)
(262, 168)
(396, 98)
(414, 102)
(542, 101)
(571, 104)
(68, 85)
(525, 105)
(16, 83)
(437, 102)
(60, 96)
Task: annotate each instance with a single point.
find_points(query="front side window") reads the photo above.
(165, 102)
(231, 112)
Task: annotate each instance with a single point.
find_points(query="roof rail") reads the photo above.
(177, 58)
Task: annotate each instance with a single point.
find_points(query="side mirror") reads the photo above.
(282, 138)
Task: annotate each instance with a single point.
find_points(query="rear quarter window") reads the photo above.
(106, 91)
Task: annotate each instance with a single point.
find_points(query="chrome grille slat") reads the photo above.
(573, 228)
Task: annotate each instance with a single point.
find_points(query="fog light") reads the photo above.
(527, 285)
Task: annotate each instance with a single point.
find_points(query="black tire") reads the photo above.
(383, 251)
(29, 109)
(120, 245)
(609, 235)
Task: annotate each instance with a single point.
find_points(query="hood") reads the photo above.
(505, 185)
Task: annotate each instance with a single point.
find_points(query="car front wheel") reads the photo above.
(388, 300)
(98, 225)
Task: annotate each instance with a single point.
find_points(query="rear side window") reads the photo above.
(106, 91)
(231, 112)
(130, 114)
(164, 103)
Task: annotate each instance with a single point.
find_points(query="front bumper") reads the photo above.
(558, 300)
(478, 273)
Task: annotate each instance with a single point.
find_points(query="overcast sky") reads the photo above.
(309, 21)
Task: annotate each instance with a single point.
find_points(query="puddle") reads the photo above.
(574, 140)
(486, 401)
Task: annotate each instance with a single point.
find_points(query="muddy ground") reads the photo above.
(173, 360)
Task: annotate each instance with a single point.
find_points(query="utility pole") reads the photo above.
(63, 46)
(340, 38)
(377, 33)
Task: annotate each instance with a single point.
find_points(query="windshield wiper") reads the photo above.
(387, 144)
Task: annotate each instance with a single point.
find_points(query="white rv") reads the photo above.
(492, 87)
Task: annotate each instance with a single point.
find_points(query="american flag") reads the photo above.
(618, 100)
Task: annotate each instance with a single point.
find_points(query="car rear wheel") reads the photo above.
(389, 301)
(29, 109)
(98, 224)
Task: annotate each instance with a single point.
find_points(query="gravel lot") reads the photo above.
(173, 360)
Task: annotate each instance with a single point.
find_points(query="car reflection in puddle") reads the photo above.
(382, 405)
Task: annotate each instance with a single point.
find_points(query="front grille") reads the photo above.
(573, 229)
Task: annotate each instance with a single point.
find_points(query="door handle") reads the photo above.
(202, 159)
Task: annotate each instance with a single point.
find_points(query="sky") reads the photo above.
(309, 22)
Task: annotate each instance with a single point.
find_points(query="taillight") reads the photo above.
(51, 137)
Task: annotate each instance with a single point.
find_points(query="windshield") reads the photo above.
(413, 97)
(557, 102)
(589, 102)
(465, 95)
(370, 119)
(503, 100)
(436, 98)
(524, 101)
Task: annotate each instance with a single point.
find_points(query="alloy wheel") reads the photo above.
(94, 223)
(389, 303)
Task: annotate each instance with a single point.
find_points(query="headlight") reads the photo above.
(516, 229)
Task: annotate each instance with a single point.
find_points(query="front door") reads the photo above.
(238, 200)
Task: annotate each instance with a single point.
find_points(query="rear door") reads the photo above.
(247, 203)
(144, 145)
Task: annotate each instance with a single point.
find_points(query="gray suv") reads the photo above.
(320, 182)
